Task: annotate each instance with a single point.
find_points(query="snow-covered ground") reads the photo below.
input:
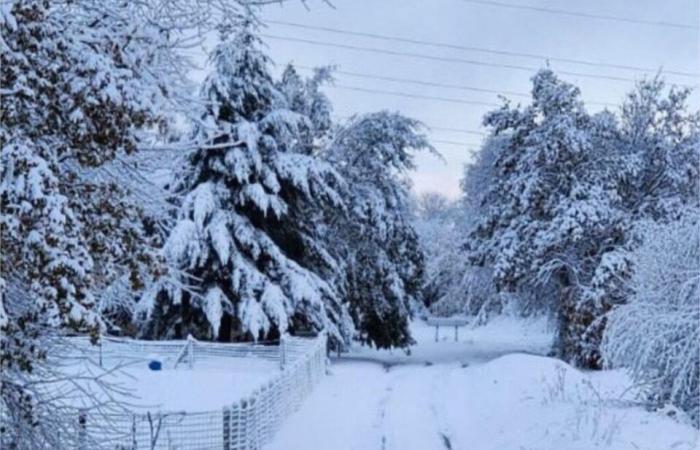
(489, 391)
(208, 386)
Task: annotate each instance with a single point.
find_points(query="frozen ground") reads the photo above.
(209, 385)
(489, 391)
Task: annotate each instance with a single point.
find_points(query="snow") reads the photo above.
(486, 392)
(209, 385)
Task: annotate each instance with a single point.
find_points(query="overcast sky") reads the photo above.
(475, 24)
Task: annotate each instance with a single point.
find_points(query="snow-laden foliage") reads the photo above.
(568, 188)
(241, 246)
(452, 285)
(304, 96)
(382, 262)
(74, 95)
(656, 334)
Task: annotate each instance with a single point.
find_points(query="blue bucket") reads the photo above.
(155, 365)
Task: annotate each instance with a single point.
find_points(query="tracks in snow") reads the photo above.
(410, 414)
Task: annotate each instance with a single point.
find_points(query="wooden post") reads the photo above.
(227, 428)
(456, 334)
(190, 351)
(283, 351)
(133, 431)
(82, 430)
(436, 332)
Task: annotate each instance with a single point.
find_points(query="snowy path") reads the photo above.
(454, 396)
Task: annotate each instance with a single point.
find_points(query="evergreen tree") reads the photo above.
(245, 254)
(569, 187)
(552, 216)
(383, 263)
(304, 96)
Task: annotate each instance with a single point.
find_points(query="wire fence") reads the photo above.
(243, 424)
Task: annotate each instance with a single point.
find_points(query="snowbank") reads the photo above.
(520, 401)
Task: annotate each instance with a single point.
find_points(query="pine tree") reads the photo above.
(304, 96)
(569, 187)
(383, 263)
(242, 247)
(552, 218)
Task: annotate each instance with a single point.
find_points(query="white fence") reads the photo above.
(244, 424)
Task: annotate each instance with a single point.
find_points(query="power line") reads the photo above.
(457, 130)
(430, 127)
(471, 145)
(409, 95)
(459, 144)
(582, 14)
(421, 82)
(435, 84)
(475, 49)
(439, 58)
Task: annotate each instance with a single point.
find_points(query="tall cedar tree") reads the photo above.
(383, 264)
(243, 240)
(568, 189)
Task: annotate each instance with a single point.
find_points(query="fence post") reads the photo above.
(251, 423)
(190, 350)
(100, 350)
(244, 424)
(226, 416)
(82, 430)
(133, 432)
(283, 351)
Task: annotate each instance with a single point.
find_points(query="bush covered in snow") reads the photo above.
(657, 333)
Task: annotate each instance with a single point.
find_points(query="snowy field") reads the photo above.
(209, 384)
(489, 391)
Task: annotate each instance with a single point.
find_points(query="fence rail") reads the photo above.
(242, 424)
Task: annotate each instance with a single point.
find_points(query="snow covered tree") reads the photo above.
(551, 217)
(74, 97)
(241, 244)
(656, 334)
(304, 96)
(569, 189)
(659, 147)
(383, 262)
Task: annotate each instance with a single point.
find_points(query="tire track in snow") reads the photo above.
(409, 414)
(437, 405)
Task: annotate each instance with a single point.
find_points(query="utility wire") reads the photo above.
(582, 14)
(459, 144)
(440, 58)
(435, 84)
(419, 82)
(385, 37)
(409, 95)
(430, 127)
(471, 146)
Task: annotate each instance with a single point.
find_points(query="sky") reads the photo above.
(469, 23)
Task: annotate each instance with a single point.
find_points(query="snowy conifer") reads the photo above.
(304, 96)
(240, 243)
(569, 186)
(551, 217)
(384, 264)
